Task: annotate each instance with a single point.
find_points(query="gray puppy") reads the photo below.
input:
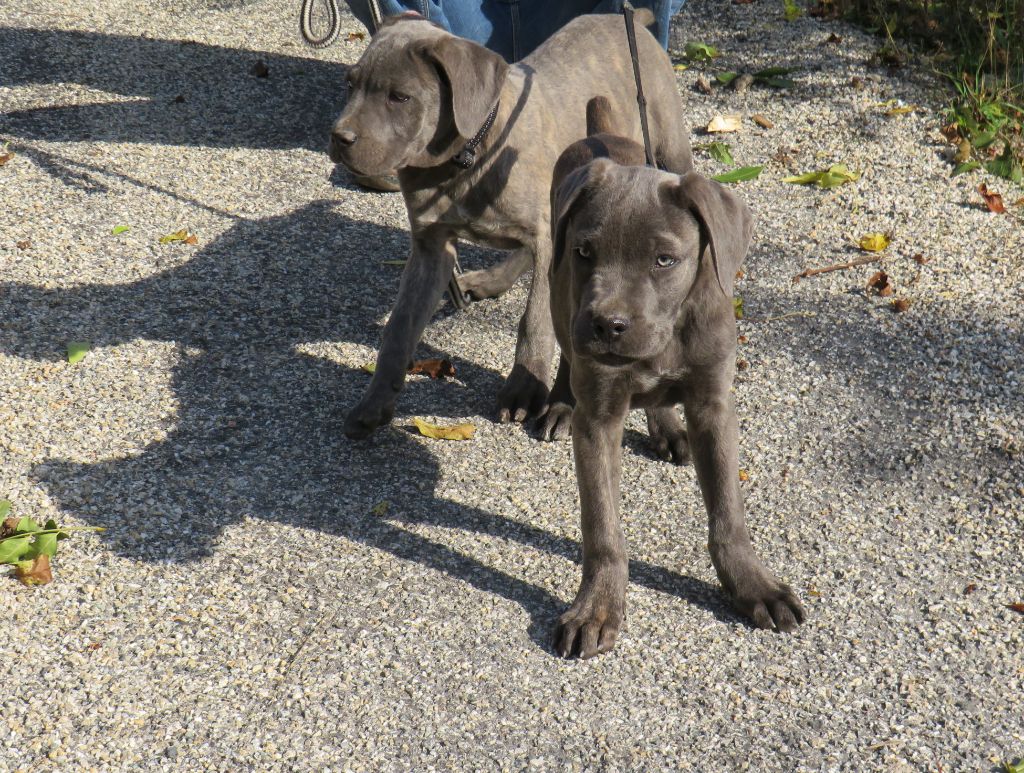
(418, 99)
(641, 288)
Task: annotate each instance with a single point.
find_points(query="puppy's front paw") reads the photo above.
(668, 436)
(758, 595)
(522, 395)
(367, 416)
(556, 423)
(591, 625)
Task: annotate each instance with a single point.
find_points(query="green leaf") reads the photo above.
(737, 306)
(1006, 165)
(700, 52)
(717, 150)
(27, 526)
(965, 167)
(791, 11)
(5, 508)
(77, 350)
(739, 175)
(769, 72)
(725, 78)
(119, 229)
(381, 508)
(837, 174)
(1018, 767)
(13, 548)
(45, 543)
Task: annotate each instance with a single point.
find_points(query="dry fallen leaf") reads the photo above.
(434, 368)
(900, 305)
(993, 200)
(761, 121)
(1019, 202)
(455, 432)
(9, 526)
(875, 242)
(24, 244)
(34, 572)
(742, 364)
(744, 476)
(191, 239)
(355, 36)
(879, 283)
(724, 123)
(5, 157)
(921, 259)
(381, 508)
(741, 339)
(857, 82)
(951, 132)
(1017, 606)
(970, 588)
(834, 38)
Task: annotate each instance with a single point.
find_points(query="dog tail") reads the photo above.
(599, 116)
(643, 16)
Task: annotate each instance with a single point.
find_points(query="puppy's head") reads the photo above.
(640, 244)
(413, 96)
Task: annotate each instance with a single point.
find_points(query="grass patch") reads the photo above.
(979, 45)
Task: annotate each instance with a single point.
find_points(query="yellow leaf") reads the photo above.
(456, 432)
(177, 236)
(381, 508)
(370, 367)
(724, 123)
(744, 475)
(680, 67)
(901, 110)
(874, 242)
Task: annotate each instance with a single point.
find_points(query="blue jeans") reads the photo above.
(513, 28)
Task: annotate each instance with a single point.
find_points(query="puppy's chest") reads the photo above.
(651, 387)
(484, 222)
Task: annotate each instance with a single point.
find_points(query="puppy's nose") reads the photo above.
(610, 327)
(345, 137)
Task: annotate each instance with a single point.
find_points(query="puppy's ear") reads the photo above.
(571, 193)
(726, 220)
(475, 76)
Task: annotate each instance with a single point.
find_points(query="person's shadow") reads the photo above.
(258, 428)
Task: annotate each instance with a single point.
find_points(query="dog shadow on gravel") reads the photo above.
(176, 92)
(257, 432)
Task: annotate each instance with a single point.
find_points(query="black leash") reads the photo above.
(627, 12)
(465, 157)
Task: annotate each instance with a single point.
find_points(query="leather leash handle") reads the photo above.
(627, 12)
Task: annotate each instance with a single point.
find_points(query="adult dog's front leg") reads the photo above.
(425, 277)
(590, 626)
(525, 391)
(753, 589)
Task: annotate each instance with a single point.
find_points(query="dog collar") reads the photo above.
(465, 157)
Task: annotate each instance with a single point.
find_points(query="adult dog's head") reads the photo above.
(641, 245)
(414, 97)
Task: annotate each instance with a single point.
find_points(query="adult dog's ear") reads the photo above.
(571, 193)
(475, 76)
(726, 220)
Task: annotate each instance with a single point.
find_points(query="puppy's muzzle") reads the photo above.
(341, 141)
(608, 329)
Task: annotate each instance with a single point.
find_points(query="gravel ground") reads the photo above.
(253, 605)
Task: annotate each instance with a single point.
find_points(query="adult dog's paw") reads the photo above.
(556, 423)
(768, 602)
(522, 395)
(367, 416)
(591, 625)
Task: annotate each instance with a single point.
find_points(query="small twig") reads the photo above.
(838, 266)
(786, 315)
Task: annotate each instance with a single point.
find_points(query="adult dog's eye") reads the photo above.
(398, 96)
(583, 251)
(666, 261)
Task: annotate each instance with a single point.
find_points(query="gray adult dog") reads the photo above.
(641, 288)
(417, 97)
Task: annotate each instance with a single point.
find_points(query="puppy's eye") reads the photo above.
(583, 251)
(398, 97)
(666, 261)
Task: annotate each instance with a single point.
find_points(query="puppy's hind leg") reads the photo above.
(493, 282)
(668, 434)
